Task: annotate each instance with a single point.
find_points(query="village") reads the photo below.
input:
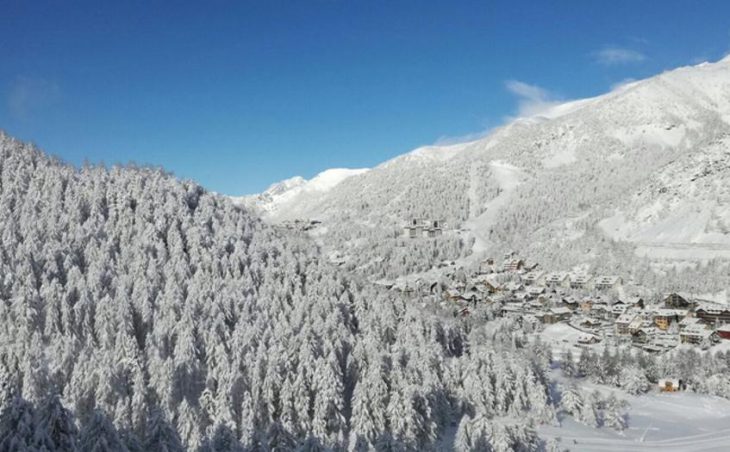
(593, 309)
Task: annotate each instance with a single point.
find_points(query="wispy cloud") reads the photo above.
(532, 100)
(27, 95)
(447, 140)
(622, 83)
(611, 56)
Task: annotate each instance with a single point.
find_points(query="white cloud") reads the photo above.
(532, 100)
(28, 95)
(610, 56)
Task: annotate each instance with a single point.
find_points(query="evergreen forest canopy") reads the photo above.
(139, 312)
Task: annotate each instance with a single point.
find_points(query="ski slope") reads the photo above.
(684, 422)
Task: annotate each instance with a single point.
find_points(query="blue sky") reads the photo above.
(237, 95)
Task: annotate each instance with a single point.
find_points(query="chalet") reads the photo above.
(419, 228)
(723, 332)
(555, 315)
(486, 266)
(623, 322)
(664, 317)
(589, 323)
(534, 278)
(487, 284)
(695, 334)
(641, 336)
(581, 281)
(557, 279)
(618, 309)
(586, 305)
(636, 302)
(587, 338)
(601, 311)
(434, 228)
(676, 301)
(665, 341)
(688, 322)
(413, 229)
(513, 265)
(570, 303)
(535, 291)
(639, 322)
(607, 282)
(712, 313)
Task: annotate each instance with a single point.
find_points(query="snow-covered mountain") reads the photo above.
(640, 170)
(294, 193)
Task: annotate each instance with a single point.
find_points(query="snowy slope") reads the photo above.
(642, 168)
(296, 192)
(657, 422)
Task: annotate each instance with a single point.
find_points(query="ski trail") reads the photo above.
(508, 178)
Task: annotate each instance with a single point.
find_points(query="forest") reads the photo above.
(140, 312)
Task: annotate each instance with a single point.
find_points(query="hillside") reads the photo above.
(615, 176)
(140, 312)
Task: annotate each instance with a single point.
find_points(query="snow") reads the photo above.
(508, 177)
(428, 154)
(656, 134)
(297, 190)
(565, 156)
(680, 421)
(652, 137)
(328, 179)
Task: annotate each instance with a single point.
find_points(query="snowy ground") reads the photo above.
(508, 177)
(563, 337)
(658, 422)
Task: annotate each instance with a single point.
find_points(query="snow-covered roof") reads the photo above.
(585, 338)
(689, 321)
(713, 308)
(556, 276)
(561, 310)
(580, 278)
(661, 312)
(607, 280)
(696, 330)
(534, 275)
(626, 318)
(632, 300)
(636, 322)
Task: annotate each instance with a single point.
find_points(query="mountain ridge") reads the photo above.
(584, 161)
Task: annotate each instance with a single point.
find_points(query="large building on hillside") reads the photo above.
(712, 313)
(423, 228)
